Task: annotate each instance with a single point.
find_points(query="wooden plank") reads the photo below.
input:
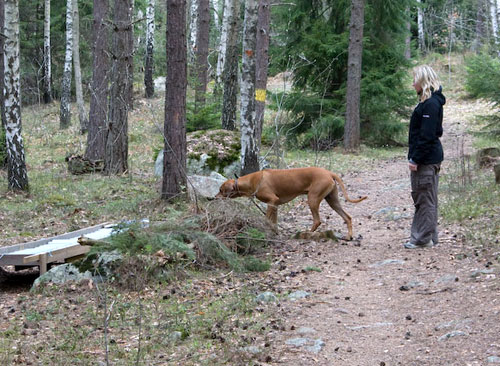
(43, 263)
(58, 254)
(33, 244)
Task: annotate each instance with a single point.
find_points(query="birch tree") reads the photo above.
(3, 146)
(261, 66)
(116, 155)
(354, 57)
(193, 23)
(227, 15)
(494, 21)
(202, 40)
(82, 114)
(100, 78)
(249, 145)
(17, 175)
(148, 61)
(230, 74)
(174, 158)
(47, 59)
(420, 26)
(65, 114)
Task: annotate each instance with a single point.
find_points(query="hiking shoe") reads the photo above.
(410, 245)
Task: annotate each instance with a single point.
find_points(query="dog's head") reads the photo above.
(228, 189)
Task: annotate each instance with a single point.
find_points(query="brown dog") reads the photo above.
(278, 186)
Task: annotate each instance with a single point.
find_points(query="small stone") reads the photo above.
(349, 349)
(408, 317)
(404, 288)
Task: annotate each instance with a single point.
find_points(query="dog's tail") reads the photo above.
(344, 191)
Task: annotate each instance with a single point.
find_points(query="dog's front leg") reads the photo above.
(272, 213)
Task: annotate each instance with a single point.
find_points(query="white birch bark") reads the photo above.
(420, 23)
(227, 15)
(249, 145)
(17, 174)
(65, 114)
(193, 30)
(47, 60)
(82, 114)
(150, 32)
(216, 11)
(494, 20)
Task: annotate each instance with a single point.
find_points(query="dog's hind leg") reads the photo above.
(333, 200)
(314, 202)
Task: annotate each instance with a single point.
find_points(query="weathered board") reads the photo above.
(59, 248)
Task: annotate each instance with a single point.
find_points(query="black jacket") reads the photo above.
(426, 127)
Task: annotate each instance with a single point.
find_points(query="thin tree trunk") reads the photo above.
(3, 143)
(174, 159)
(494, 21)
(480, 31)
(408, 40)
(227, 14)
(17, 175)
(47, 59)
(193, 16)
(230, 74)
(216, 8)
(420, 25)
(82, 114)
(99, 91)
(149, 64)
(202, 40)
(249, 145)
(355, 53)
(116, 156)
(65, 115)
(261, 66)
(130, 59)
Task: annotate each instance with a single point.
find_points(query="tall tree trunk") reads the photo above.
(249, 145)
(230, 74)
(261, 66)
(148, 62)
(193, 23)
(65, 115)
(174, 158)
(82, 114)
(116, 156)
(130, 59)
(16, 173)
(494, 21)
(99, 91)
(354, 58)
(408, 40)
(216, 12)
(420, 26)
(480, 31)
(47, 59)
(202, 40)
(221, 50)
(3, 143)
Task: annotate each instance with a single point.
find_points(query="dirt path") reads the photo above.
(376, 303)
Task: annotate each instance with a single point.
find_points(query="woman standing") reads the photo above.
(425, 156)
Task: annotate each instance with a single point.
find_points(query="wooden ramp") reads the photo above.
(59, 248)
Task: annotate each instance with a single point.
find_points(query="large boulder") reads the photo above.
(204, 186)
(210, 151)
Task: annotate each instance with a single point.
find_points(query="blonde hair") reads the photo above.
(428, 80)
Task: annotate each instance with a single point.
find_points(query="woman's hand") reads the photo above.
(413, 167)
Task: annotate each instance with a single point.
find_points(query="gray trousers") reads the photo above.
(424, 191)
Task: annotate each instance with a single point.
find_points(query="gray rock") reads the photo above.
(493, 359)
(477, 273)
(368, 326)
(386, 262)
(452, 334)
(175, 336)
(306, 330)
(297, 342)
(159, 83)
(297, 295)
(317, 346)
(204, 186)
(106, 263)
(266, 297)
(62, 274)
(446, 278)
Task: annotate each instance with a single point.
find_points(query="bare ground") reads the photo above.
(371, 301)
(376, 303)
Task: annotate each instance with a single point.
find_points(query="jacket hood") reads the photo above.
(439, 96)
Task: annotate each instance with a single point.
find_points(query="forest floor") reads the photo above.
(373, 302)
(368, 301)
